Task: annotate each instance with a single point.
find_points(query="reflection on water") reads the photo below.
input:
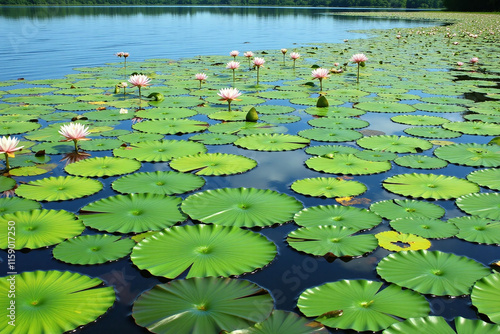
(43, 42)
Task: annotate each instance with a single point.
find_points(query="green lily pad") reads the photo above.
(59, 188)
(171, 126)
(474, 128)
(100, 144)
(429, 186)
(33, 170)
(470, 154)
(333, 135)
(477, 229)
(246, 128)
(338, 123)
(432, 132)
(408, 208)
(214, 138)
(6, 183)
(385, 107)
(361, 305)
(137, 137)
(420, 162)
(164, 113)
(489, 178)
(347, 164)
(201, 305)
(485, 205)
(441, 108)
(280, 119)
(13, 204)
(394, 144)
(485, 296)
(160, 150)
(39, 228)
(433, 324)
(213, 164)
(132, 213)
(103, 166)
(12, 128)
(331, 240)
(57, 301)
(431, 272)
(334, 111)
(375, 155)
(159, 182)
(424, 227)
(272, 142)
(330, 149)
(93, 249)
(337, 215)
(241, 207)
(419, 120)
(203, 250)
(329, 187)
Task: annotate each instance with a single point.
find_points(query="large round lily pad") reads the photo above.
(424, 227)
(159, 150)
(272, 142)
(485, 205)
(396, 144)
(337, 215)
(485, 296)
(433, 324)
(213, 164)
(470, 154)
(346, 164)
(397, 208)
(203, 250)
(241, 207)
(328, 187)
(159, 182)
(489, 178)
(201, 305)
(58, 188)
(103, 166)
(53, 301)
(477, 229)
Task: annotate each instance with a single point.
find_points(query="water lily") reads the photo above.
(294, 56)
(139, 81)
(233, 65)
(125, 56)
(123, 85)
(8, 145)
(258, 63)
(229, 94)
(234, 53)
(359, 59)
(123, 111)
(320, 74)
(249, 55)
(74, 132)
(200, 77)
(474, 60)
(284, 51)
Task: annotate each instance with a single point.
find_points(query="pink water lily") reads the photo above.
(294, 56)
(258, 63)
(201, 77)
(139, 81)
(474, 60)
(284, 51)
(74, 132)
(248, 54)
(359, 59)
(124, 55)
(229, 94)
(233, 65)
(8, 145)
(234, 53)
(320, 74)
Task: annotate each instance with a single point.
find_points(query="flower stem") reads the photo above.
(258, 75)
(76, 145)
(233, 76)
(228, 105)
(321, 84)
(7, 167)
(357, 80)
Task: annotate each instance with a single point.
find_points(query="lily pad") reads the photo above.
(39, 228)
(132, 213)
(57, 301)
(13, 204)
(213, 164)
(432, 132)
(93, 249)
(477, 229)
(12, 128)
(489, 178)
(361, 305)
(331, 240)
(103, 166)
(338, 123)
(397, 242)
(408, 208)
(241, 207)
(396, 144)
(470, 154)
(433, 324)
(429, 186)
(272, 142)
(485, 205)
(432, 272)
(59, 188)
(485, 296)
(330, 149)
(203, 250)
(6, 183)
(214, 138)
(333, 135)
(420, 162)
(159, 182)
(201, 305)
(347, 164)
(328, 187)
(161, 150)
(385, 107)
(419, 120)
(171, 126)
(474, 128)
(424, 227)
(337, 215)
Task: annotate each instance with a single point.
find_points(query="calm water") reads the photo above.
(47, 42)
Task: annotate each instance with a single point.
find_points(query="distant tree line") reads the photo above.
(472, 6)
(311, 3)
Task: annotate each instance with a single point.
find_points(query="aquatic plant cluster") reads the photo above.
(99, 132)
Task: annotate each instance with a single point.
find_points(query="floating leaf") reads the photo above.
(338, 123)
(375, 155)
(424, 227)
(213, 164)
(429, 186)
(39, 228)
(431, 272)
(470, 154)
(55, 301)
(203, 250)
(394, 144)
(396, 242)
(137, 137)
(408, 208)
(214, 138)
(489, 178)
(385, 107)
(201, 305)
(171, 126)
(334, 135)
(419, 120)
(58, 188)
(12, 128)
(484, 205)
(100, 144)
(432, 132)
(347, 164)
(161, 150)
(337, 215)
(6, 183)
(161, 183)
(164, 113)
(433, 324)
(13, 204)
(485, 296)
(331, 240)
(93, 249)
(365, 305)
(477, 229)
(420, 162)
(328, 187)
(474, 128)
(103, 166)
(241, 207)
(330, 149)
(132, 213)
(272, 142)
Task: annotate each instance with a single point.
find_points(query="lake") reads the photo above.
(50, 42)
